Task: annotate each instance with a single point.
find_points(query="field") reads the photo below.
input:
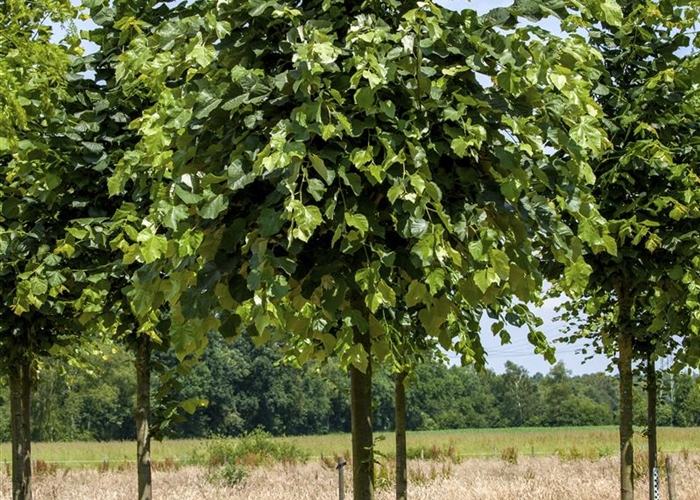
(588, 442)
(527, 464)
(539, 478)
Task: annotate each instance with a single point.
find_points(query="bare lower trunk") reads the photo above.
(20, 429)
(624, 365)
(361, 415)
(401, 464)
(651, 423)
(143, 411)
(626, 429)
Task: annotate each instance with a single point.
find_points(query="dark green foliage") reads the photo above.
(517, 397)
(249, 388)
(686, 401)
(439, 397)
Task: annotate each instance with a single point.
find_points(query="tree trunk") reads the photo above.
(401, 463)
(624, 365)
(20, 429)
(651, 421)
(143, 412)
(361, 415)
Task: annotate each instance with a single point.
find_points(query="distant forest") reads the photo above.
(248, 387)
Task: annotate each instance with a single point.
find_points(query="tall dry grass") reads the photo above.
(530, 478)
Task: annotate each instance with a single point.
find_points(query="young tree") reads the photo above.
(48, 179)
(647, 188)
(317, 164)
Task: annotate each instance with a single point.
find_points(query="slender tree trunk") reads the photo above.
(361, 415)
(401, 462)
(624, 365)
(20, 429)
(143, 411)
(651, 420)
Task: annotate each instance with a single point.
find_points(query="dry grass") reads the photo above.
(531, 478)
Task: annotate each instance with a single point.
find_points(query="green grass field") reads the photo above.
(566, 441)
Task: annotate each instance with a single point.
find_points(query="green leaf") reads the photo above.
(212, 209)
(433, 318)
(191, 405)
(460, 146)
(38, 286)
(358, 221)
(587, 134)
(500, 263)
(418, 227)
(270, 222)
(395, 191)
(387, 293)
(576, 276)
(151, 246)
(364, 98)
(484, 278)
(202, 54)
(320, 166)
(186, 196)
(316, 188)
(611, 12)
(417, 293)
(173, 215)
(357, 357)
(436, 280)
(306, 219)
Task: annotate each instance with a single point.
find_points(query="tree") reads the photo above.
(132, 248)
(647, 189)
(48, 171)
(317, 164)
(517, 397)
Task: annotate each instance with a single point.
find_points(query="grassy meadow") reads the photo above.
(565, 442)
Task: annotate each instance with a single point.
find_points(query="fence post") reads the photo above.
(671, 480)
(341, 477)
(655, 491)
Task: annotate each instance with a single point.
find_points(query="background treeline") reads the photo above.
(249, 387)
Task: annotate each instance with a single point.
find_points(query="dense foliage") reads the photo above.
(248, 388)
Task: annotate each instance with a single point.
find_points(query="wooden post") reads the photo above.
(670, 479)
(341, 477)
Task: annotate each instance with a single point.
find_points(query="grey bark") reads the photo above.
(143, 412)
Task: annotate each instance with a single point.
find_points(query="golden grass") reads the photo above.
(539, 478)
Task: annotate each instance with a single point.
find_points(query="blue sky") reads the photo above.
(477, 5)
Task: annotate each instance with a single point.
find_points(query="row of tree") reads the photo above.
(248, 387)
(357, 181)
